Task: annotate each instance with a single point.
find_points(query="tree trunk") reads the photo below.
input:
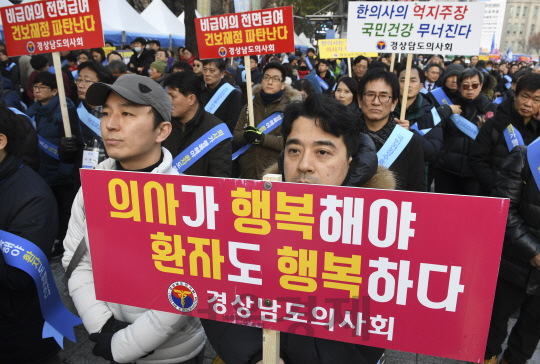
(189, 21)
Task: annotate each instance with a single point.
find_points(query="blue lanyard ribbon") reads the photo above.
(48, 147)
(513, 137)
(218, 98)
(323, 84)
(64, 63)
(465, 126)
(498, 100)
(436, 121)
(395, 144)
(441, 97)
(75, 74)
(200, 147)
(533, 157)
(89, 120)
(10, 66)
(265, 127)
(308, 62)
(423, 91)
(509, 83)
(25, 255)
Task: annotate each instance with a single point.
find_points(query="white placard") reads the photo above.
(418, 27)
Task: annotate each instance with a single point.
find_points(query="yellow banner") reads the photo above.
(337, 48)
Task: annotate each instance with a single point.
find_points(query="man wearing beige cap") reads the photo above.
(136, 120)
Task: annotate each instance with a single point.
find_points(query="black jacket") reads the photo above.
(330, 81)
(243, 345)
(522, 236)
(217, 162)
(256, 78)
(27, 209)
(490, 149)
(230, 108)
(454, 155)
(143, 60)
(419, 113)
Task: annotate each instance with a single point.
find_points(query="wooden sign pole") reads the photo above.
(247, 65)
(61, 92)
(406, 87)
(271, 343)
(392, 61)
(349, 67)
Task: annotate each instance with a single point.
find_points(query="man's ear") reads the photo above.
(165, 129)
(192, 99)
(3, 141)
(55, 92)
(222, 74)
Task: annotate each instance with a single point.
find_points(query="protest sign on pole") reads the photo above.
(337, 48)
(405, 87)
(53, 26)
(246, 34)
(418, 28)
(355, 265)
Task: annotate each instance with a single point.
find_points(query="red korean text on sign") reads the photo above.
(52, 26)
(246, 34)
(349, 264)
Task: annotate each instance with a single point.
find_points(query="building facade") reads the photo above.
(520, 22)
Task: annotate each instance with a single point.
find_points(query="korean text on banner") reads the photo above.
(349, 264)
(246, 34)
(419, 27)
(52, 26)
(337, 48)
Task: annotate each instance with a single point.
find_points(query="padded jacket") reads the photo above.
(454, 155)
(490, 149)
(522, 236)
(174, 338)
(230, 108)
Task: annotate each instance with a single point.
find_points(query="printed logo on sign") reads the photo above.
(182, 296)
(381, 45)
(336, 55)
(30, 47)
(222, 51)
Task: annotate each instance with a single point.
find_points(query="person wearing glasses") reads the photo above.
(520, 113)
(47, 115)
(453, 173)
(265, 144)
(40, 64)
(398, 149)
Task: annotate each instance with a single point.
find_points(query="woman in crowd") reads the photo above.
(347, 93)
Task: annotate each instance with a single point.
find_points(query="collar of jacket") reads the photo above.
(46, 110)
(164, 168)
(191, 124)
(9, 166)
(507, 114)
(214, 90)
(414, 111)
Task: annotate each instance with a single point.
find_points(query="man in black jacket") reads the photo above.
(325, 74)
(453, 173)
(227, 107)
(518, 285)
(28, 209)
(318, 126)
(515, 114)
(190, 122)
(142, 58)
(378, 94)
(256, 77)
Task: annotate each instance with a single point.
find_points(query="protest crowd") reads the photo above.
(140, 114)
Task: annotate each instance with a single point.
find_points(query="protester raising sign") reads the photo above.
(52, 26)
(337, 48)
(372, 267)
(420, 27)
(246, 34)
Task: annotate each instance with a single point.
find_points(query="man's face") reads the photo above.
(187, 54)
(377, 110)
(3, 57)
(198, 67)
(86, 78)
(474, 60)
(180, 103)
(128, 131)
(314, 156)
(294, 62)
(467, 87)
(82, 58)
(415, 85)
(114, 57)
(212, 75)
(154, 46)
(527, 103)
(323, 67)
(154, 73)
(514, 69)
(360, 68)
(451, 83)
(253, 64)
(161, 55)
(272, 81)
(310, 54)
(432, 74)
(137, 44)
(43, 93)
(436, 59)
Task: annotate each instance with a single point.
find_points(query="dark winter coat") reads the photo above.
(243, 345)
(330, 81)
(419, 113)
(490, 149)
(229, 110)
(144, 60)
(217, 162)
(49, 125)
(256, 159)
(454, 155)
(522, 236)
(28, 209)
(256, 78)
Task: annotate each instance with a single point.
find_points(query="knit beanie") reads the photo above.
(160, 66)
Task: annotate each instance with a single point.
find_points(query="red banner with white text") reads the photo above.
(400, 270)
